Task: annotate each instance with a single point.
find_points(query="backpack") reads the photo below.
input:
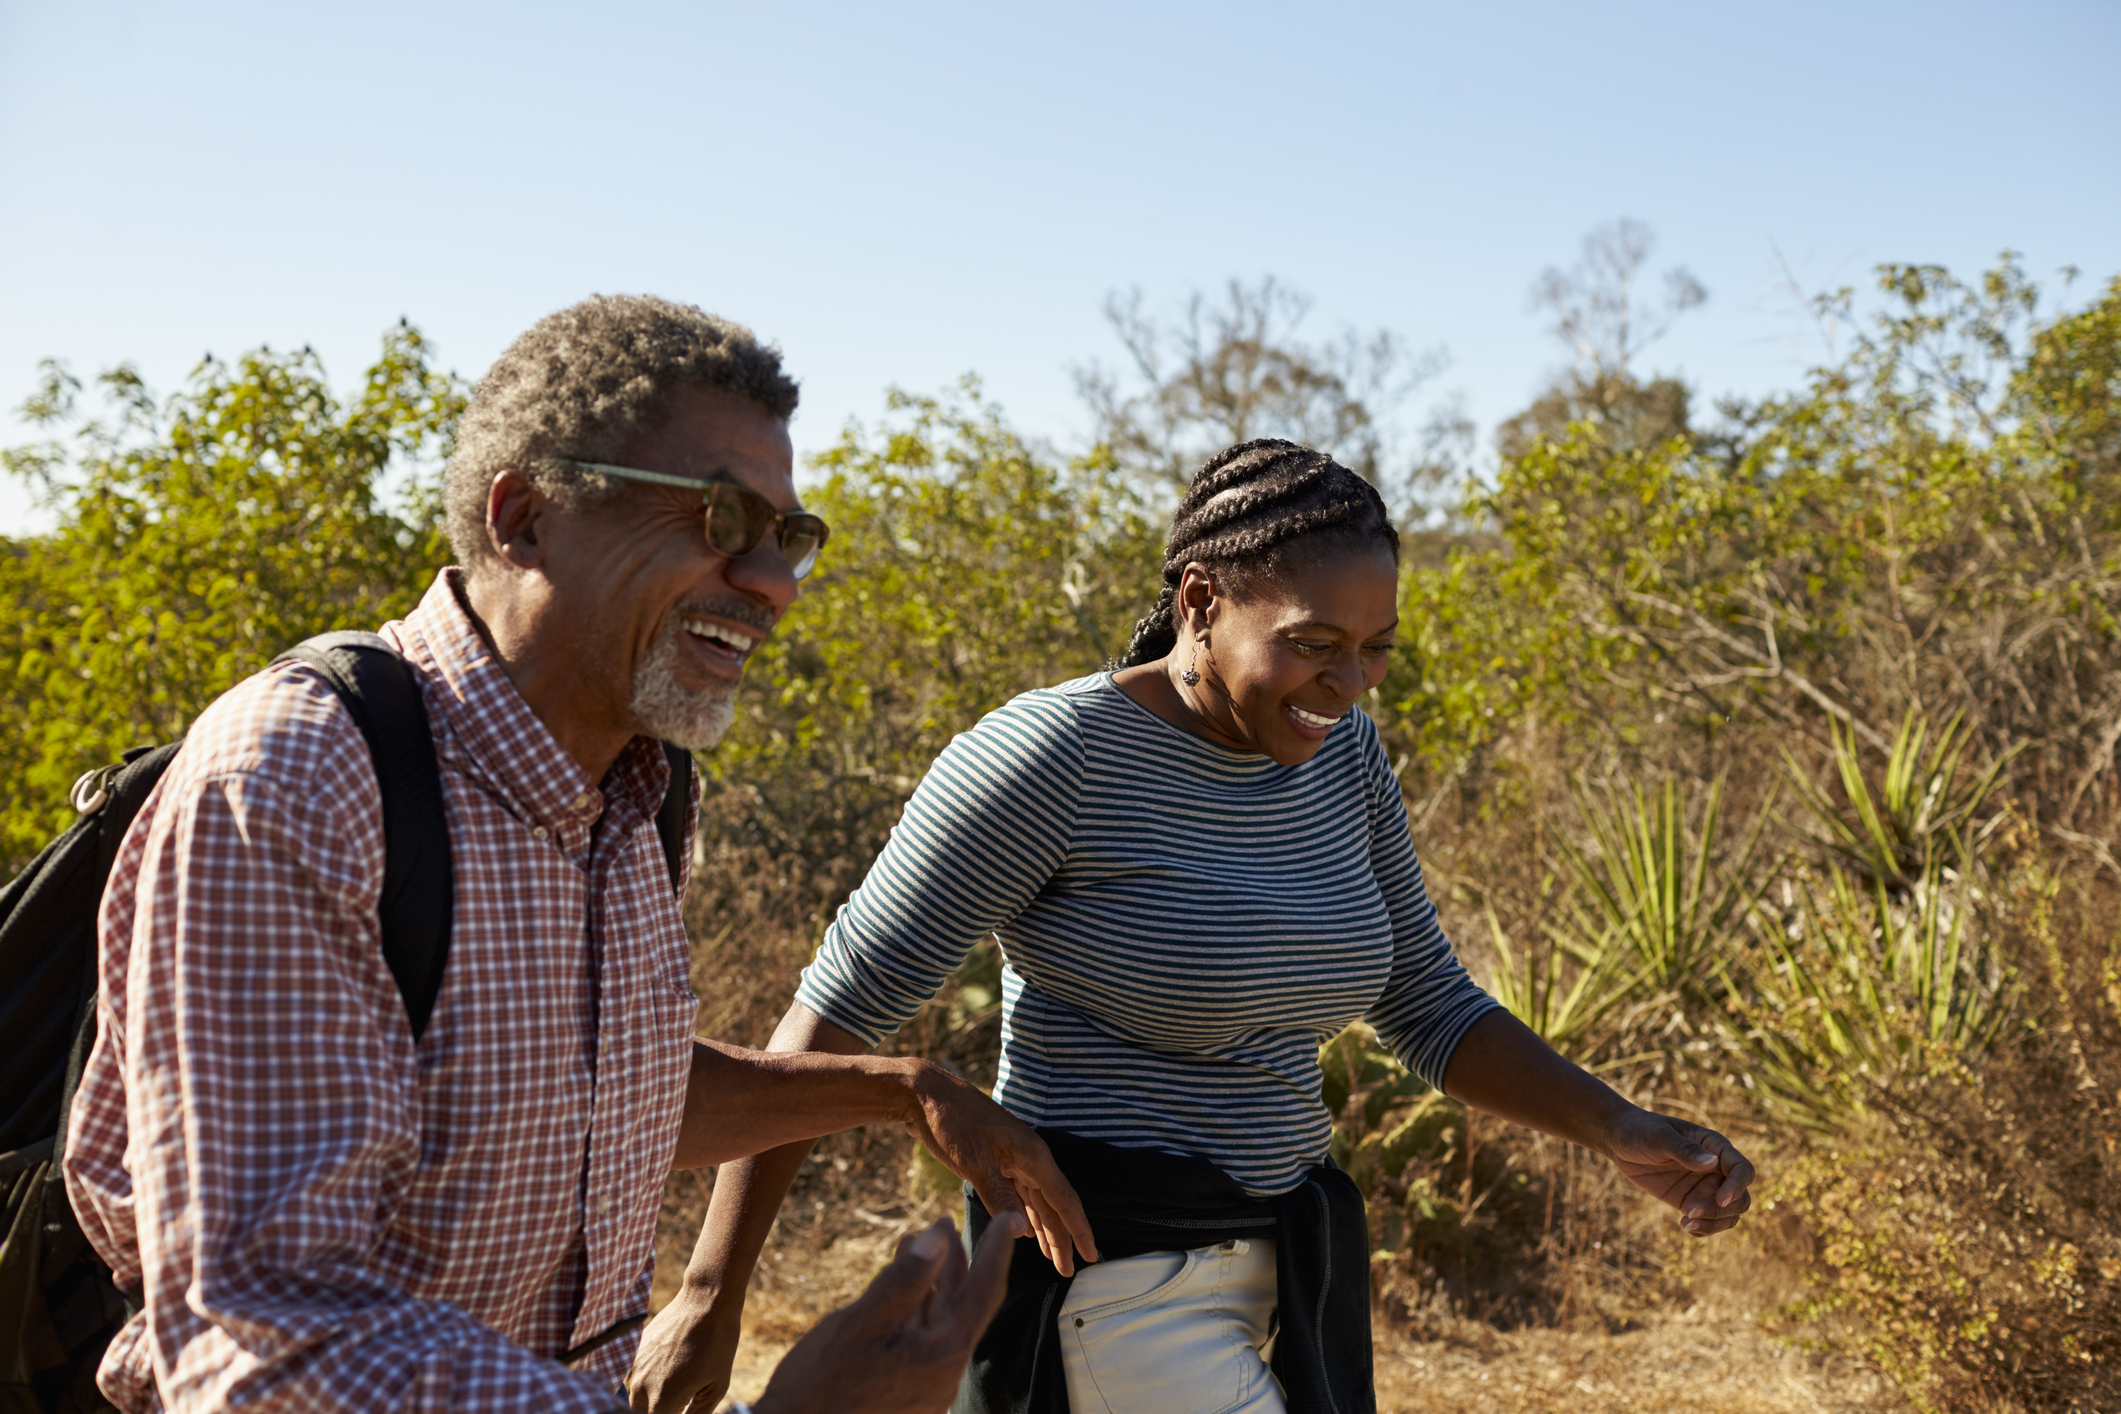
(58, 1304)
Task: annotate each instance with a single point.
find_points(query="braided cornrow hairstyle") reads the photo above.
(1252, 509)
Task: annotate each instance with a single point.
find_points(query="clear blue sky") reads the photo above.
(900, 194)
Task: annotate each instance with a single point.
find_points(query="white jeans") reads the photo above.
(1173, 1333)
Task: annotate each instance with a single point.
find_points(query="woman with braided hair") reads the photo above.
(1198, 867)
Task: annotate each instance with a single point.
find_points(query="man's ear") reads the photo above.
(515, 513)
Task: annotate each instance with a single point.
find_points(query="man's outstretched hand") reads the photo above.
(903, 1345)
(1693, 1169)
(1004, 1160)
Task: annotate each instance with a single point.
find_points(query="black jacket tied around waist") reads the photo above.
(1141, 1201)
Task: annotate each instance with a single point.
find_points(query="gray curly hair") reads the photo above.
(583, 383)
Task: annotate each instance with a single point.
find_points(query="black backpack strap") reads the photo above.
(382, 694)
(670, 820)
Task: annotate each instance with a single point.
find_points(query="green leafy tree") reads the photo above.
(964, 568)
(1929, 523)
(196, 538)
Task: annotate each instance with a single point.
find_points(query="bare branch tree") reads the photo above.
(1442, 466)
(1599, 308)
(1233, 369)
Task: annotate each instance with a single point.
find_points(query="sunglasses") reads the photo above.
(737, 517)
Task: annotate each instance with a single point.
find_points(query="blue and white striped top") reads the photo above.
(1181, 925)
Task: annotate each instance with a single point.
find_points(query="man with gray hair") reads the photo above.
(318, 1208)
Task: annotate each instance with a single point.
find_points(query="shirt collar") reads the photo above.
(496, 736)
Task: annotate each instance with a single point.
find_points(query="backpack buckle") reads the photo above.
(93, 789)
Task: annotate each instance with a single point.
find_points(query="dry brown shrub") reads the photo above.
(1968, 1242)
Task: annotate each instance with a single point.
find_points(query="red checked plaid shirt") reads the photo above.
(320, 1214)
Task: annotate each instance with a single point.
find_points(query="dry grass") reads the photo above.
(1690, 1360)
(1678, 1364)
(1674, 1365)
(1704, 1352)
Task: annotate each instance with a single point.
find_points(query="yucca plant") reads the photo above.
(1923, 806)
(1668, 894)
(1883, 970)
(1867, 988)
(1571, 993)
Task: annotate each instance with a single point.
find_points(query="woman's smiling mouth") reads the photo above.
(1310, 725)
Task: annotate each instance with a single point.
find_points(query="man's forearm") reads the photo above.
(1502, 1066)
(742, 1102)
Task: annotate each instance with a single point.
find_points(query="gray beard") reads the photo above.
(664, 708)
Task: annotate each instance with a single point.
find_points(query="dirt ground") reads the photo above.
(1683, 1362)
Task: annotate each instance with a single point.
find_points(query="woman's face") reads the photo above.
(1284, 661)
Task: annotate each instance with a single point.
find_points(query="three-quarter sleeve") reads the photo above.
(986, 828)
(1429, 1002)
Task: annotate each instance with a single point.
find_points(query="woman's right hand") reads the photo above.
(686, 1353)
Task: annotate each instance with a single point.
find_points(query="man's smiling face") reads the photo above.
(660, 623)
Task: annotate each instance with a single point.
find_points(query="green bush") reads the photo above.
(196, 538)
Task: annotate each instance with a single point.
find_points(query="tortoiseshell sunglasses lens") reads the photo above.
(739, 517)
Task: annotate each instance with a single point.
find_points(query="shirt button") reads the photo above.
(581, 802)
(542, 833)
(603, 1205)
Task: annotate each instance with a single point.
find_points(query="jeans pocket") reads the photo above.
(1104, 1289)
(1165, 1345)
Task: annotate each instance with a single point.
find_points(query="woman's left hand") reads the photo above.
(1678, 1162)
(1502, 1067)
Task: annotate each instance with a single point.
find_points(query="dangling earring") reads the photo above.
(1191, 676)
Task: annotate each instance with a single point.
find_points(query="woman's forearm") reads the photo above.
(748, 1191)
(1502, 1067)
(747, 1196)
